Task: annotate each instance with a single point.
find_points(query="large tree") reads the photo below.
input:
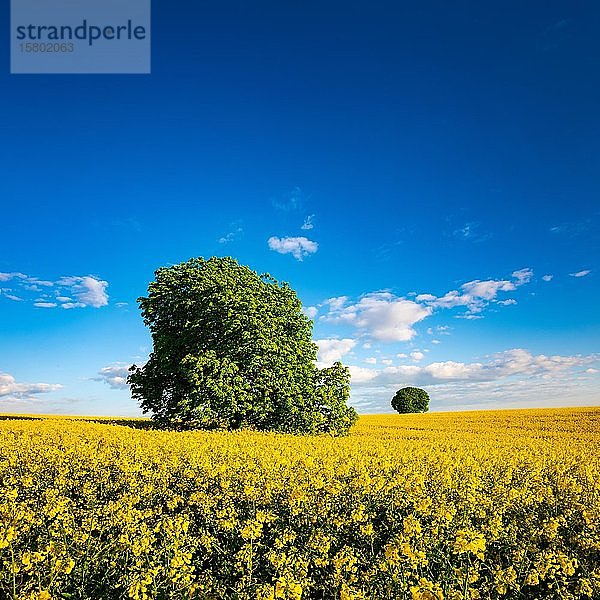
(231, 349)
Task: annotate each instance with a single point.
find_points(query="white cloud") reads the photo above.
(399, 372)
(580, 273)
(416, 355)
(452, 370)
(436, 342)
(387, 361)
(385, 317)
(523, 276)
(115, 376)
(310, 311)
(522, 362)
(298, 247)
(371, 360)
(9, 276)
(11, 390)
(308, 222)
(486, 290)
(381, 315)
(361, 374)
(425, 298)
(71, 292)
(337, 303)
(34, 281)
(88, 291)
(331, 349)
(477, 294)
(548, 277)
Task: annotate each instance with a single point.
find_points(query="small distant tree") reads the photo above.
(232, 349)
(411, 400)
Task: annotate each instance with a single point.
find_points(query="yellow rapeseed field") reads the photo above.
(502, 504)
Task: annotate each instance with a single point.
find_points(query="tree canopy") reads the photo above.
(231, 349)
(411, 400)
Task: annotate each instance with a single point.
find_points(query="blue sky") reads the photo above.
(425, 178)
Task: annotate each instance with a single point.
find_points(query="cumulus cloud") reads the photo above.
(386, 317)
(580, 273)
(523, 276)
(417, 355)
(451, 370)
(10, 389)
(477, 294)
(361, 374)
(381, 315)
(507, 302)
(298, 247)
(310, 311)
(87, 291)
(70, 292)
(547, 277)
(486, 290)
(115, 376)
(337, 303)
(332, 349)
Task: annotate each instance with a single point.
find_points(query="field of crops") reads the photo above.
(449, 505)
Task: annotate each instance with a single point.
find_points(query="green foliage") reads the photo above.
(411, 400)
(232, 349)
